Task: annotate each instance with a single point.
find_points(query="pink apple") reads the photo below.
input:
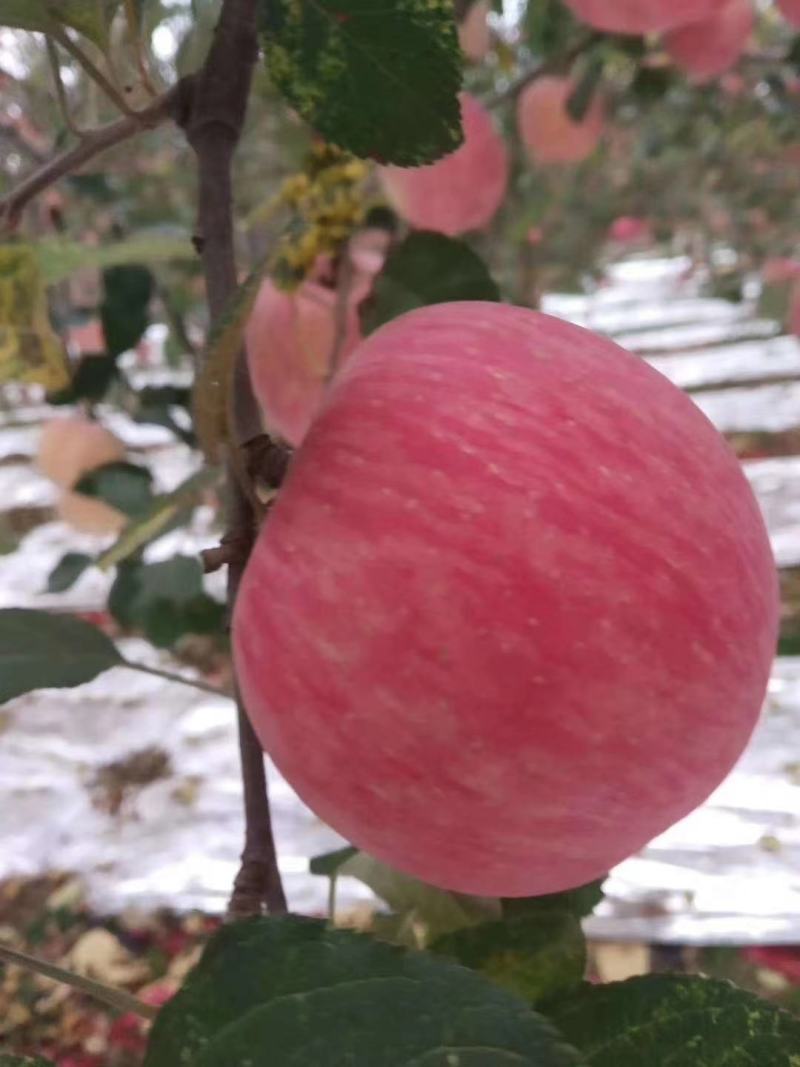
(711, 46)
(547, 131)
(642, 16)
(473, 33)
(627, 229)
(790, 9)
(72, 446)
(515, 608)
(290, 339)
(780, 269)
(461, 192)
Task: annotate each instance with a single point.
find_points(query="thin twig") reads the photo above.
(546, 67)
(213, 128)
(344, 288)
(99, 140)
(91, 68)
(119, 999)
(63, 103)
(181, 679)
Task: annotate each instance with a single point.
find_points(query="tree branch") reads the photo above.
(213, 129)
(170, 105)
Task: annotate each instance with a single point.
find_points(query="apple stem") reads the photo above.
(213, 128)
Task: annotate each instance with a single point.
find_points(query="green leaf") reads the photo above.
(67, 571)
(292, 991)
(29, 349)
(92, 377)
(155, 520)
(676, 1021)
(125, 486)
(426, 268)
(580, 98)
(580, 901)
(549, 26)
(24, 14)
(439, 910)
(379, 79)
(165, 600)
(211, 396)
(125, 308)
(39, 650)
(328, 863)
(58, 258)
(539, 956)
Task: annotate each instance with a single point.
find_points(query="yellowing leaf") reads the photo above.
(30, 351)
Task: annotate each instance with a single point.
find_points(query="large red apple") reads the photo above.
(515, 608)
(642, 16)
(548, 132)
(290, 339)
(708, 48)
(461, 192)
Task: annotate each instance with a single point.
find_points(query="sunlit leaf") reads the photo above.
(29, 349)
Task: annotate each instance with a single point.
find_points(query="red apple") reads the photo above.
(545, 126)
(70, 447)
(627, 229)
(89, 515)
(780, 269)
(460, 192)
(515, 608)
(711, 46)
(790, 9)
(642, 16)
(290, 340)
(473, 33)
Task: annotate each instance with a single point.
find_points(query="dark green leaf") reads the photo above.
(378, 79)
(580, 98)
(439, 910)
(125, 308)
(164, 600)
(293, 991)
(67, 571)
(677, 1021)
(328, 863)
(549, 26)
(580, 901)
(92, 377)
(124, 486)
(427, 268)
(539, 956)
(651, 83)
(39, 650)
(164, 511)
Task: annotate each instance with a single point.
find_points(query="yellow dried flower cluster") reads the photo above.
(326, 202)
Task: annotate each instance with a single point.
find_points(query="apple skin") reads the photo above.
(628, 229)
(545, 126)
(70, 447)
(460, 192)
(290, 338)
(708, 48)
(89, 515)
(641, 16)
(790, 9)
(474, 35)
(515, 608)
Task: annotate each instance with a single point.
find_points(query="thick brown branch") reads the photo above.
(213, 128)
(167, 106)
